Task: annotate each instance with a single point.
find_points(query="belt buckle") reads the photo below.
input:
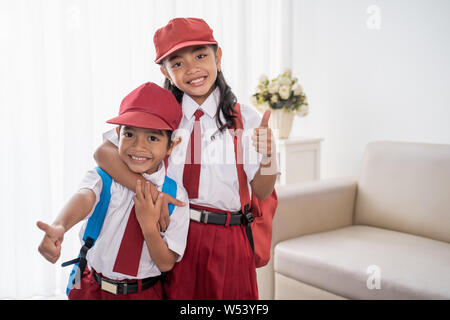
(109, 287)
(195, 215)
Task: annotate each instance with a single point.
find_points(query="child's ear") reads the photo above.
(176, 141)
(165, 73)
(218, 58)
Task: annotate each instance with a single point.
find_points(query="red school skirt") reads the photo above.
(218, 264)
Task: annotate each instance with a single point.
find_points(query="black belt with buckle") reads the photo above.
(125, 286)
(236, 218)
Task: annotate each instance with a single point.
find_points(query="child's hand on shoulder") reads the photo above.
(50, 247)
(147, 212)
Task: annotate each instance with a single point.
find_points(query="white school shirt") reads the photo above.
(219, 184)
(102, 255)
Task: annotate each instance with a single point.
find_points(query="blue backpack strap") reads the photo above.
(170, 187)
(93, 228)
(95, 222)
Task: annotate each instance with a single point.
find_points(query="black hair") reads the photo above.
(167, 133)
(227, 98)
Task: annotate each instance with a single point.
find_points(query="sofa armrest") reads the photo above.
(306, 208)
(312, 207)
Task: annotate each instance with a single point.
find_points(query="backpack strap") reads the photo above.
(236, 132)
(95, 222)
(92, 231)
(244, 193)
(170, 187)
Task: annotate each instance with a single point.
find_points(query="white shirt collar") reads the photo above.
(157, 178)
(209, 106)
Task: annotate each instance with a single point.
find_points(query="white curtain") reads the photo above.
(64, 68)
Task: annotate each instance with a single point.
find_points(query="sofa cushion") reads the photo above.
(404, 187)
(353, 261)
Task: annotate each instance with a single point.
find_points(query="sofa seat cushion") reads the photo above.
(362, 262)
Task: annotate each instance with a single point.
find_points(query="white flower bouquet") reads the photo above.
(283, 92)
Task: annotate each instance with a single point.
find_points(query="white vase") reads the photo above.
(280, 122)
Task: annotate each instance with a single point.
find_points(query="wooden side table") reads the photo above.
(298, 159)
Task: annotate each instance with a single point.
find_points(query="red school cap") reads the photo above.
(150, 107)
(180, 33)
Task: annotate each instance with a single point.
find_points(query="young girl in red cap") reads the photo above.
(218, 261)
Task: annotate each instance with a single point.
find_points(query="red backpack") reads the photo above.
(259, 213)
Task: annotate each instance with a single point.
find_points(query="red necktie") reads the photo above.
(129, 255)
(191, 173)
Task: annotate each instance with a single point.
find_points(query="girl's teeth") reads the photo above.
(198, 80)
(136, 158)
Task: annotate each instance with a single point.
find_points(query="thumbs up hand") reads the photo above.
(265, 119)
(263, 138)
(50, 246)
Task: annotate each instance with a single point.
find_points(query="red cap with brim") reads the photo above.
(184, 45)
(150, 107)
(180, 33)
(141, 120)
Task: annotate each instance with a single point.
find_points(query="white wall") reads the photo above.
(369, 84)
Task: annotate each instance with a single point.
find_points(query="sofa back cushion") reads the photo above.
(405, 187)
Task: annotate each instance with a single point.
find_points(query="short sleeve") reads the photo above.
(176, 234)
(251, 119)
(92, 181)
(111, 135)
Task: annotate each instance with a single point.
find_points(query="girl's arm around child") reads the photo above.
(109, 160)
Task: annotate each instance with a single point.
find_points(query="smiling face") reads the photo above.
(142, 150)
(193, 70)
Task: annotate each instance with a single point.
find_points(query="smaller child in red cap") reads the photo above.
(130, 253)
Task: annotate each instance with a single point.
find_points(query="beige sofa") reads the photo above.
(383, 235)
